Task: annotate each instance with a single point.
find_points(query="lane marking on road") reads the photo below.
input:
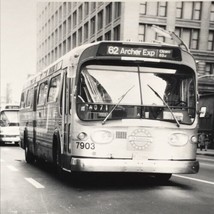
(206, 159)
(12, 168)
(34, 183)
(194, 179)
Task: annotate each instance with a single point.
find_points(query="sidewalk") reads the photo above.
(209, 152)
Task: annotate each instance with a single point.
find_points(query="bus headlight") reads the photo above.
(82, 136)
(178, 139)
(194, 139)
(102, 136)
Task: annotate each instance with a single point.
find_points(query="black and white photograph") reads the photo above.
(106, 107)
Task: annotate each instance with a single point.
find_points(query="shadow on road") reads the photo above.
(105, 180)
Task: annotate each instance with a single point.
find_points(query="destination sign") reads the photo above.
(140, 51)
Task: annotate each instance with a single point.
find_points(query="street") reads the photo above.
(27, 189)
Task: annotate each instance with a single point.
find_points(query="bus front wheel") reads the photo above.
(162, 177)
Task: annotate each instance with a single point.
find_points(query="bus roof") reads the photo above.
(72, 56)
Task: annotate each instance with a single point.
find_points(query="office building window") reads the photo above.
(189, 10)
(179, 9)
(194, 39)
(162, 7)
(189, 36)
(85, 31)
(74, 40)
(69, 24)
(56, 36)
(159, 37)
(100, 38)
(93, 21)
(196, 10)
(60, 50)
(142, 33)
(143, 8)
(60, 14)
(69, 7)
(209, 68)
(86, 8)
(211, 41)
(108, 13)
(60, 32)
(108, 35)
(80, 36)
(80, 13)
(74, 18)
(100, 20)
(212, 12)
(64, 9)
(117, 9)
(93, 6)
(117, 33)
(64, 47)
(64, 28)
(69, 43)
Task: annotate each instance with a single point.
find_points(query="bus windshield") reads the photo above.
(10, 118)
(132, 88)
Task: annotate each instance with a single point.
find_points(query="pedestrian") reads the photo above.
(206, 142)
(202, 141)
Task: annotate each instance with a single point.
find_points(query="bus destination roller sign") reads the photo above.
(143, 51)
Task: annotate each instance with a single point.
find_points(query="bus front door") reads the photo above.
(65, 120)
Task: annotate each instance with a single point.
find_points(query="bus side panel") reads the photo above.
(26, 127)
(47, 122)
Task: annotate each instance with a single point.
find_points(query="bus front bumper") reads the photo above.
(144, 166)
(9, 139)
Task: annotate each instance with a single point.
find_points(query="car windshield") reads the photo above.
(137, 92)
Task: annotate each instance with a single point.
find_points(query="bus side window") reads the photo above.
(54, 88)
(22, 102)
(43, 89)
(29, 100)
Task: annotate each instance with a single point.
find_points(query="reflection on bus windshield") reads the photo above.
(105, 85)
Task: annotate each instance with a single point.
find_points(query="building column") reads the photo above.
(204, 32)
(130, 21)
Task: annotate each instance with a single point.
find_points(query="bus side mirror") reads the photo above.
(202, 111)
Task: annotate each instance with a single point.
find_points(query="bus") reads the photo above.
(9, 124)
(114, 106)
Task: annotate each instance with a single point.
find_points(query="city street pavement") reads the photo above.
(209, 152)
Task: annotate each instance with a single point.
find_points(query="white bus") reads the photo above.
(114, 107)
(9, 125)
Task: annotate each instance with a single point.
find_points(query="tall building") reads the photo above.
(65, 25)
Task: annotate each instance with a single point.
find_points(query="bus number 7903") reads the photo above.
(83, 145)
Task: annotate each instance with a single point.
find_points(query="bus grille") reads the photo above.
(121, 135)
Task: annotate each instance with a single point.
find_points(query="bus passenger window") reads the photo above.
(54, 88)
(22, 102)
(42, 93)
(29, 100)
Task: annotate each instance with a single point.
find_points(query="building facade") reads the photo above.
(61, 26)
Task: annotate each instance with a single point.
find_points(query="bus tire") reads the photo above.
(162, 177)
(57, 155)
(29, 157)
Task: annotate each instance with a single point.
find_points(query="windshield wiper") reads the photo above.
(156, 93)
(120, 99)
